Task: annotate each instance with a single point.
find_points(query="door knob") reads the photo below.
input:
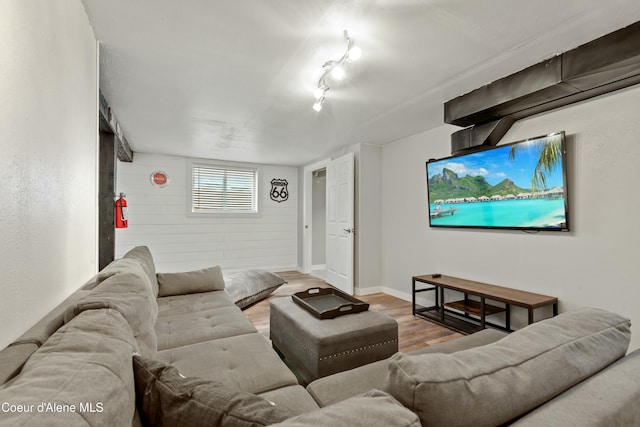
(349, 230)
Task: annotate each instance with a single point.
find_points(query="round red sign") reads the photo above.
(159, 178)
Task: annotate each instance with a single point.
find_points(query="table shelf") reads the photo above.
(450, 321)
(469, 315)
(473, 307)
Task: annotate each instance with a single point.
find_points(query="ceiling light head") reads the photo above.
(320, 91)
(355, 53)
(338, 72)
(318, 104)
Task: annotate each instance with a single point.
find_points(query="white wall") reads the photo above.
(369, 220)
(595, 264)
(319, 220)
(48, 138)
(158, 219)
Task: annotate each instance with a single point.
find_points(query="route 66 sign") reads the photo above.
(279, 191)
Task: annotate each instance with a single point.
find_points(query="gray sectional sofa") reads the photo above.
(133, 347)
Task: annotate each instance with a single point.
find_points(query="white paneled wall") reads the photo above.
(158, 218)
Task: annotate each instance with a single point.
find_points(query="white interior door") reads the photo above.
(340, 227)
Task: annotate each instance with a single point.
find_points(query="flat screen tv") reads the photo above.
(518, 186)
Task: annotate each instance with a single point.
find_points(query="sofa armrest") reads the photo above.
(340, 386)
(608, 398)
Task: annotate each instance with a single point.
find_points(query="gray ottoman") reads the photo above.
(315, 348)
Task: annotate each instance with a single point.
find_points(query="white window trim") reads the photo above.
(227, 165)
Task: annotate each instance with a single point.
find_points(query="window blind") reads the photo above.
(222, 189)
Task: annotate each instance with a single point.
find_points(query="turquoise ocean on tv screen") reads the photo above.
(536, 213)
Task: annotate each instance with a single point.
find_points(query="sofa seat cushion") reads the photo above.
(245, 362)
(166, 398)
(343, 385)
(374, 408)
(246, 287)
(607, 399)
(293, 398)
(190, 282)
(184, 329)
(85, 366)
(185, 304)
(127, 290)
(493, 384)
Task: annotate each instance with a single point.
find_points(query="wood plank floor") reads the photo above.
(413, 332)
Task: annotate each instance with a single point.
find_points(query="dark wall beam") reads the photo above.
(106, 203)
(113, 147)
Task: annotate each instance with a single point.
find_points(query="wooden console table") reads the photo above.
(467, 315)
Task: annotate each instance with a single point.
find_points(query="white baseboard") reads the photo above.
(385, 290)
(406, 296)
(368, 291)
(271, 268)
(285, 268)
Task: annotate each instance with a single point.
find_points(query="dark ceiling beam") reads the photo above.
(603, 65)
(125, 154)
(105, 127)
(109, 124)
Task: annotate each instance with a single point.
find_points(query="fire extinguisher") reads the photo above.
(122, 220)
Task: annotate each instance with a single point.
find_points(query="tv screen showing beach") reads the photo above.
(521, 185)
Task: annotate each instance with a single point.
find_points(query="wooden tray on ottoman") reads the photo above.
(328, 303)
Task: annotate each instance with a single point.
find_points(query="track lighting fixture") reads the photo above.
(335, 69)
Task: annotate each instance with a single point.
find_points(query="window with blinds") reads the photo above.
(223, 189)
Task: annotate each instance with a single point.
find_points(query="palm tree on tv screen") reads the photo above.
(550, 149)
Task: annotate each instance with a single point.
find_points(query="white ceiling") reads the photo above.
(233, 80)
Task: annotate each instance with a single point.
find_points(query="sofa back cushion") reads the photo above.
(82, 375)
(607, 399)
(493, 384)
(142, 254)
(246, 287)
(190, 282)
(51, 322)
(127, 290)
